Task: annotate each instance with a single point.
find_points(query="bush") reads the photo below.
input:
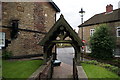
(111, 68)
(92, 62)
(102, 43)
(7, 54)
(107, 66)
(119, 71)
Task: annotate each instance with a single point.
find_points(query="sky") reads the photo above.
(70, 9)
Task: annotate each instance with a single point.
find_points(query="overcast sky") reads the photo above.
(70, 9)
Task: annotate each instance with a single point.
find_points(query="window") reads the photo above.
(118, 31)
(92, 32)
(2, 39)
(88, 49)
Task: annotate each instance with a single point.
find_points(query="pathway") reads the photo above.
(66, 55)
(63, 71)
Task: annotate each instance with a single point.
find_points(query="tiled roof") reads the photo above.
(113, 16)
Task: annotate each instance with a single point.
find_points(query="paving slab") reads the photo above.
(81, 73)
(63, 71)
(66, 71)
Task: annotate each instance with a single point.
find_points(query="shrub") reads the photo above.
(107, 66)
(111, 68)
(102, 43)
(7, 54)
(92, 62)
(119, 71)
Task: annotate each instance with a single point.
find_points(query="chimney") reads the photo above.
(109, 8)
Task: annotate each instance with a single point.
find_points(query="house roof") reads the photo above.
(54, 6)
(113, 16)
(55, 30)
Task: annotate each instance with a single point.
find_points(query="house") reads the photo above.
(24, 24)
(110, 17)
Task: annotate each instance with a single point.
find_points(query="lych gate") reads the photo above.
(57, 34)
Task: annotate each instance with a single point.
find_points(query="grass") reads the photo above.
(20, 69)
(64, 45)
(94, 71)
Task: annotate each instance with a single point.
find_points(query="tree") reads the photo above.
(102, 43)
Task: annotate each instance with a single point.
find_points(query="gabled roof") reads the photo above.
(54, 6)
(54, 31)
(113, 16)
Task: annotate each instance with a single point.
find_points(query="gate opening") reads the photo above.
(65, 53)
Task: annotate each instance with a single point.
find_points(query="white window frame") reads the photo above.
(2, 39)
(118, 29)
(92, 32)
(88, 50)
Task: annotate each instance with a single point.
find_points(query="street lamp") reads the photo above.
(82, 13)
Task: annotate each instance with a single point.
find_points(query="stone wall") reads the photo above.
(49, 14)
(39, 17)
(31, 16)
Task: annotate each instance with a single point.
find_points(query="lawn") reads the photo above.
(94, 71)
(20, 69)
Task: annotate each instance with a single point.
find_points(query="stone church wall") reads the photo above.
(36, 16)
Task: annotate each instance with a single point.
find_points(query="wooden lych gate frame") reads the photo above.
(61, 29)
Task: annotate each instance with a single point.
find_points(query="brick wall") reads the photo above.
(86, 32)
(113, 26)
(118, 38)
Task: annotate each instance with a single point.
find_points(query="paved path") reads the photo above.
(63, 71)
(66, 71)
(66, 55)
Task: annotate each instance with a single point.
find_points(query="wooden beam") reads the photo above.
(62, 41)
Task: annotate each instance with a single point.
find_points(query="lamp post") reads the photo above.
(82, 13)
